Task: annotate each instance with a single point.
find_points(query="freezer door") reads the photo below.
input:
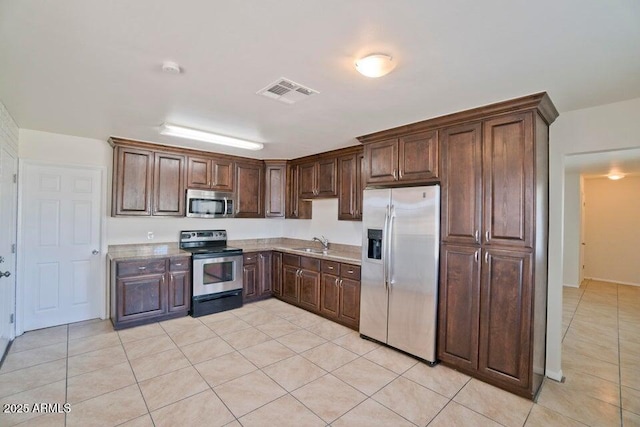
(413, 287)
(373, 293)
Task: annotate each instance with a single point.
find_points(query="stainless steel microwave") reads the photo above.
(210, 204)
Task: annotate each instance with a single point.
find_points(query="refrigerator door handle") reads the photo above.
(392, 215)
(385, 244)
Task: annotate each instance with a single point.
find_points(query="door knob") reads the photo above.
(95, 252)
(5, 274)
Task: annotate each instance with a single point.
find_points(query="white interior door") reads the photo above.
(60, 228)
(8, 200)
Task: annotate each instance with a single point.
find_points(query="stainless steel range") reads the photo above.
(217, 271)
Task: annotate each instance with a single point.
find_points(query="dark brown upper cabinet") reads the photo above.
(509, 182)
(319, 178)
(210, 173)
(132, 181)
(276, 186)
(250, 189)
(168, 185)
(147, 182)
(350, 187)
(408, 159)
(461, 191)
(295, 208)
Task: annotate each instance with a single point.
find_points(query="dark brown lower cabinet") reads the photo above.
(179, 284)
(505, 317)
(486, 315)
(276, 273)
(459, 304)
(144, 291)
(256, 275)
(340, 293)
(301, 281)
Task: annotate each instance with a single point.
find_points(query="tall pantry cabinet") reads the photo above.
(493, 259)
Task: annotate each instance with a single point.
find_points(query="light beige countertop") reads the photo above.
(145, 251)
(337, 252)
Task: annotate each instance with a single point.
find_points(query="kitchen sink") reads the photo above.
(311, 250)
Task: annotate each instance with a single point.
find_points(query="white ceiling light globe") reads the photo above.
(376, 65)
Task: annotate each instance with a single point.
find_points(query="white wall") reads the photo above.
(606, 127)
(325, 222)
(612, 216)
(64, 149)
(123, 230)
(571, 252)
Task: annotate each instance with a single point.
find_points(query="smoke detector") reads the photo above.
(287, 91)
(171, 67)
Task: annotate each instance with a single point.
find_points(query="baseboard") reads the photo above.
(618, 282)
(566, 285)
(556, 376)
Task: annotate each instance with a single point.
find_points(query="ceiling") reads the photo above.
(92, 68)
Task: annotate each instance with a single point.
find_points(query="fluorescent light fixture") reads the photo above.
(200, 135)
(376, 65)
(614, 176)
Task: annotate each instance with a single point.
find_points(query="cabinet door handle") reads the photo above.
(260, 256)
(395, 174)
(486, 257)
(475, 256)
(178, 264)
(249, 258)
(330, 268)
(142, 268)
(486, 236)
(340, 282)
(477, 236)
(350, 271)
(336, 282)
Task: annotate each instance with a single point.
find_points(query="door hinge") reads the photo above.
(13, 248)
(11, 318)
(15, 178)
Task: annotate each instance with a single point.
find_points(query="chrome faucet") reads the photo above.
(324, 241)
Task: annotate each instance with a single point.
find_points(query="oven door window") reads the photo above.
(206, 206)
(217, 272)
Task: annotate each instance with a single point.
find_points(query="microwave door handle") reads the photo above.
(226, 204)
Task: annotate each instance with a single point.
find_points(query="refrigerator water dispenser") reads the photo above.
(374, 250)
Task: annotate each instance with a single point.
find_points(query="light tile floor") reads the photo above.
(272, 364)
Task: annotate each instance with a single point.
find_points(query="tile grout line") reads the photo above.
(135, 377)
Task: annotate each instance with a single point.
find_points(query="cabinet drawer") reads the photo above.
(349, 271)
(310, 263)
(137, 268)
(293, 260)
(331, 267)
(250, 258)
(180, 264)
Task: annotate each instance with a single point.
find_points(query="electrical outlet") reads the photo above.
(150, 235)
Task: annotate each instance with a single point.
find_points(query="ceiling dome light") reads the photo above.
(614, 176)
(376, 65)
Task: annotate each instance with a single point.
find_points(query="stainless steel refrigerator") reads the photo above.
(400, 249)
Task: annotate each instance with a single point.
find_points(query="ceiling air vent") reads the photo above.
(286, 91)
